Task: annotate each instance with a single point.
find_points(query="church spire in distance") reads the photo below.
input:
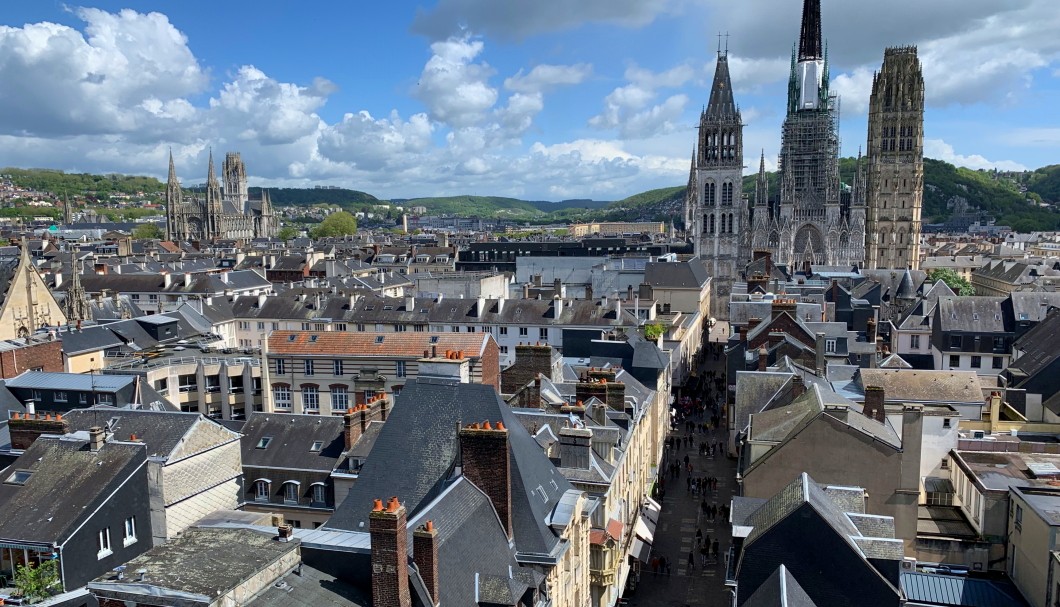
(172, 168)
(721, 104)
(810, 40)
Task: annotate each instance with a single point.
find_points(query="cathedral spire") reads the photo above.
(762, 185)
(810, 38)
(172, 168)
(211, 176)
(721, 104)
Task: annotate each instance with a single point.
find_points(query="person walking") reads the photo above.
(691, 561)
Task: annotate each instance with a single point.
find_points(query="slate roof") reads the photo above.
(780, 590)
(382, 344)
(677, 275)
(417, 451)
(973, 314)
(292, 436)
(754, 391)
(50, 380)
(1039, 346)
(313, 588)
(161, 431)
(68, 481)
(963, 591)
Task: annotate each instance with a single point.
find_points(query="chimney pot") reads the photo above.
(377, 506)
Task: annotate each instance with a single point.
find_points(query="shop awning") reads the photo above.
(652, 509)
(640, 550)
(644, 529)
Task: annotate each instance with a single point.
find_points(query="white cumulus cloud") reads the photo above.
(939, 149)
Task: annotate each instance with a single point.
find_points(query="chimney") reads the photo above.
(874, 403)
(224, 277)
(618, 306)
(797, 387)
(752, 323)
(821, 364)
(351, 429)
(261, 300)
(589, 292)
(870, 331)
(763, 358)
(484, 460)
(96, 438)
(526, 290)
(25, 429)
(557, 307)
(557, 287)
(187, 279)
(480, 307)
(629, 292)
(167, 280)
(574, 447)
(425, 555)
(410, 304)
(390, 573)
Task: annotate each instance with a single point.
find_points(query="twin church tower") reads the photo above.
(814, 219)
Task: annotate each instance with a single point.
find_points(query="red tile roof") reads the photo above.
(407, 344)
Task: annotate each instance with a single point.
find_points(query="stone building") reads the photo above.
(221, 214)
(896, 162)
(26, 304)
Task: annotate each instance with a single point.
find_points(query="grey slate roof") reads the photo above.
(161, 431)
(935, 589)
(68, 482)
(292, 436)
(677, 275)
(780, 590)
(1039, 346)
(973, 314)
(313, 588)
(417, 450)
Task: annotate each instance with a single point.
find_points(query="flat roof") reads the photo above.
(70, 381)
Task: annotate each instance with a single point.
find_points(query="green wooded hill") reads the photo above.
(306, 197)
(78, 184)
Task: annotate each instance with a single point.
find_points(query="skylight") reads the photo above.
(264, 442)
(313, 338)
(379, 338)
(434, 339)
(317, 445)
(19, 477)
(292, 337)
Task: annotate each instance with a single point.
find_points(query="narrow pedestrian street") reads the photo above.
(701, 581)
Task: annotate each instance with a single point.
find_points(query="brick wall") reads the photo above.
(47, 356)
(530, 359)
(25, 429)
(486, 463)
(425, 555)
(390, 577)
(490, 363)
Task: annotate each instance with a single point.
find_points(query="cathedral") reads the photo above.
(228, 215)
(814, 219)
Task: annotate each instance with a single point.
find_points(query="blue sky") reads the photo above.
(542, 99)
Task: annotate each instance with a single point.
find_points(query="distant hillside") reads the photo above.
(304, 197)
(664, 204)
(1045, 182)
(77, 184)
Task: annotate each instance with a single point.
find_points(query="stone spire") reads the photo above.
(76, 307)
(721, 104)
(762, 185)
(810, 46)
(174, 200)
(213, 202)
(68, 213)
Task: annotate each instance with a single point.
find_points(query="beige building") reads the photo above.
(27, 304)
(580, 230)
(1033, 529)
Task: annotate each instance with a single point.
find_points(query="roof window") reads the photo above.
(317, 445)
(19, 477)
(379, 338)
(313, 338)
(264, 442)
(292, 337)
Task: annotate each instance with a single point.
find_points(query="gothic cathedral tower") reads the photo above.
(715, 209)
(896, 162)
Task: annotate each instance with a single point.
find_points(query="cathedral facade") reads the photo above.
(227, 214)
(895, 181)
(813, 220)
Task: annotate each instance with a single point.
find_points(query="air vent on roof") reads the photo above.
(369, 308)
(388, 307)
(975, 316)
(313, 338)
(379, 338)
(292, 337)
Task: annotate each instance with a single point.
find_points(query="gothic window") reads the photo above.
(712, 224)
(710, 194)
(726, 193)
(730, 223)
(706, 225)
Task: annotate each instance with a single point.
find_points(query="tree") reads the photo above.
(36, 583)
(953, 280)
(287, 233)
(147, 231)
(653, 331)
(336, 224)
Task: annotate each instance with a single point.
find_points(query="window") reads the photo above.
(261, 326)
(261, 491)
(419, 328)
(829, 346)
(319, 494)
(401, 328)
(998, 362)
(103, 543)
(454, 329)
(105, 399)
(504, 349)
(275, 326)
(955, 361)
(281, 397)
(281, 366)
(264, 442)
(340, 326)
(319, 326)
(955, 342)
(316, 446)
(914, 342)
(35, 395)
(946, 461)
(503, 330)
(946, 423)
(310, 398)
(1019, 518)
(213, 383)
(60, 397)
(308, 366)
(999, 343)
(340, 398)
(977, 362)
(401, 368)
(82, 398)
(19, 477)
(360, 327)
(470, 329)
(235, 384)
(290, 492)
(130, 531)
(543, 333)
(305, 326)
(523, 331)
(336, 367)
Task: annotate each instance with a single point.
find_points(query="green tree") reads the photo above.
(287, 233)
(336, 224)
(653, 331)
(147, 231)
(953, 280)
(37, 583)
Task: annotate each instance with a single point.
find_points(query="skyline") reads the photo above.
(541, 100)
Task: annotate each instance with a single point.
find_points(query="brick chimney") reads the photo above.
(874, 403)
(798, 388)
(390, 574)
(425, 555)
(28, 427)
(870, 331)
(96, 438)
(351, 429)
(763, 358)
(485, 461)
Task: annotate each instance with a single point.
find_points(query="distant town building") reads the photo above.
(230, 215)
